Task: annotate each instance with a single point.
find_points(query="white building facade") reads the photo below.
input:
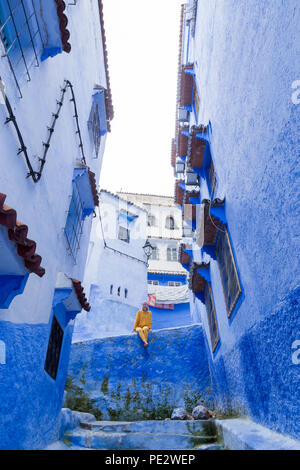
(168, 294)
(116, 269)
(56, 109)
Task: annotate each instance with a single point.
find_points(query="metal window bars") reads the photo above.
(20, 35)
(74, 223)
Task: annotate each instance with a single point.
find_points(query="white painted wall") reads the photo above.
(124, 268)
(43, 206)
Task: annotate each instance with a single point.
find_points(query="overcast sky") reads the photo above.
(142, 43)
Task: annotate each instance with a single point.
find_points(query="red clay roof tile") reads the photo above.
(17, 232)
(63, 21)
(80, 295)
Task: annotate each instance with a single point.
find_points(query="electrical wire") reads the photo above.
(36, 175)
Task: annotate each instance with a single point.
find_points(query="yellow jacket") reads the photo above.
(143, 319)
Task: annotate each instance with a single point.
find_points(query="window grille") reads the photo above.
(95, 127)
(228, 271)
(124, 234)
(74, 223)
(97, 123)
(20, 36)
(54, 348)
(211, 316)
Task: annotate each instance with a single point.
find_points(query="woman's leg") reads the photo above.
(141, 333)
(145, 331)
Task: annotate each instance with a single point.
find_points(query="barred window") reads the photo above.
(54, 348)
(211, 316)
(74, 223)
(229, 276)
(97, 123)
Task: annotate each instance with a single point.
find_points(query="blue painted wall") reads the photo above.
(163, 279)
(117, 378)
(255, 129)
(29, 420)
(170, 318)
(162, 318)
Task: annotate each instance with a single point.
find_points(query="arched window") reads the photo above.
(125, 293)
(111, 289)
(119, 290)
(170, 222)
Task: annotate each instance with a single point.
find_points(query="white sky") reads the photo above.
(142, 44)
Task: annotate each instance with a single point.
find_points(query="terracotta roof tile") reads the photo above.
(211, 223)
(93, 187)
(80, 295)
(17, 232)
(179, 193)
(184, 258)
(108, 96)
(63, 22)
(173, 153)
(196, 281)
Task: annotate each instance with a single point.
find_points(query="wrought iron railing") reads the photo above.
(21, 37)
(36, 174)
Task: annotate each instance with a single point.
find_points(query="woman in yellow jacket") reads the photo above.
(143, 323)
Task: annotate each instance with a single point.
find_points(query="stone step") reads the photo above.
(136, 440)
(201, 428)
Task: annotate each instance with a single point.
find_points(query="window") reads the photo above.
(126, 293)
(111, 289)
(119, 291)
(151, 220)
(172, 254)
(228, 271)
(154, 283)
(174, 283)
(97, 122)
(74, 223)
(20, 35)
(196, 100)
(124, 234)
(211, 316)
(170, 223)
(54, 348)
(211, 179)
(155, 253)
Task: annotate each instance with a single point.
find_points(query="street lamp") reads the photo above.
(148, 248)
